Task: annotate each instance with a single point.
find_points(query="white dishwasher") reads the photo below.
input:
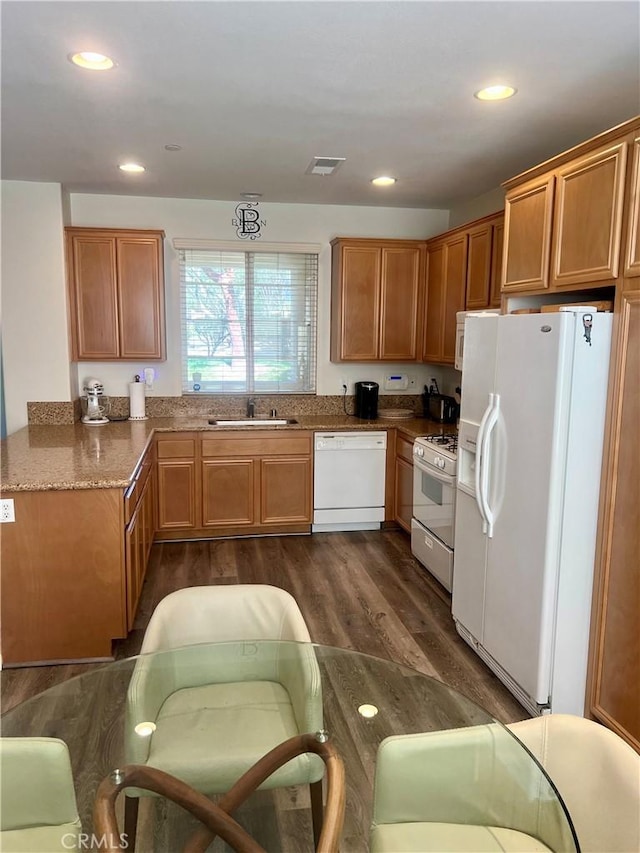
(349, 480)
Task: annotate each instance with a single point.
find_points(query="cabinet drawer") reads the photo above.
(176, 448)
(134, 492)
(257, 444)
(404, 448)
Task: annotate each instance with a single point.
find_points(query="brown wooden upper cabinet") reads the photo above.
(376, 299)
(632, 254)
(564, 219)
(484, 264)
(587, 222)
(497, 255)
(446, 283)
(116, 294)
(528, 211)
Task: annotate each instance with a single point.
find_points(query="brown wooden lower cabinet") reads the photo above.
(285, 490)
(256, 481)
(229, 492)
(176, 494)
(139, 535)
(73, 565)
(404, 482)
(63, 579)
(234, 482)
(178, 504)
(614, 695)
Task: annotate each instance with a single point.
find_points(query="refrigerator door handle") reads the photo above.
(480, 462)
(492, 420)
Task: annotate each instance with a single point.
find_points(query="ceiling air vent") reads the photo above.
(324, 165)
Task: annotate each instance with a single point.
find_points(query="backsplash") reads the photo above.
(286, 405)
(54, 413)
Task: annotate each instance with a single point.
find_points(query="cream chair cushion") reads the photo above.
(597, 775)
(38, 811)
(445, 837)
(215, 717)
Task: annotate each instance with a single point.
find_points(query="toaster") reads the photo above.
(441, 408)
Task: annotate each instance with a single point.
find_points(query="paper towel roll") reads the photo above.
(136, 401)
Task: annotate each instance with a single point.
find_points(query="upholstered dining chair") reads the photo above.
(213, 713)
(38, 811)
(469, 789)
(597, 775)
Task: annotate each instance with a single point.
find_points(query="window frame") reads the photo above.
(250, 322)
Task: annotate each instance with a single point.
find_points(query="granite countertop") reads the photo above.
(77, 456)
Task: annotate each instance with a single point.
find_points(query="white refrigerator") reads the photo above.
(534, 392)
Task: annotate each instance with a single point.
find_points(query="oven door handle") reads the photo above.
(441, 477)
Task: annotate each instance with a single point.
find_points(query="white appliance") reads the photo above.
(461, 316)
(434, 502)
(95, 405)
(349, 480)
(534, 392)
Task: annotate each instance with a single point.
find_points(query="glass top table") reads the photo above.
(364, 701)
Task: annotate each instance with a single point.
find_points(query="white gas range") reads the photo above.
(434, 504)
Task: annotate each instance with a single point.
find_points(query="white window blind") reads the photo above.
(248, 321)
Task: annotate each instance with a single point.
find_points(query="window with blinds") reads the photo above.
(248, 321)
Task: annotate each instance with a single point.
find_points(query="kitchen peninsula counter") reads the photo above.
(90, 500)
(77, 456)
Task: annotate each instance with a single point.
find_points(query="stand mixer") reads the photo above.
(95, 404)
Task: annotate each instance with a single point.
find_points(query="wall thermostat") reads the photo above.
(396, 382)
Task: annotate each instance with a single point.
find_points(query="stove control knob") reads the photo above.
(440, 462)
(418, 451)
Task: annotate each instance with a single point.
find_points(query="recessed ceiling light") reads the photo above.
(131, 167)
(92, 61)
(250, 196)
(383, 181)
(172, 147)
(495, 93)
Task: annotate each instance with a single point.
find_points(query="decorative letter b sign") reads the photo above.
(247, 221)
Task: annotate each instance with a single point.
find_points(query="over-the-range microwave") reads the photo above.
(460, 318)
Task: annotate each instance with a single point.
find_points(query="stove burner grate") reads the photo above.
(448, 442)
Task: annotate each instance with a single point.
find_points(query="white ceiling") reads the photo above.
(252, 91)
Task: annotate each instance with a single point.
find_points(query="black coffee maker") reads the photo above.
(367, 400)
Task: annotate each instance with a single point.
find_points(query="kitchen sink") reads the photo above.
(249, 422)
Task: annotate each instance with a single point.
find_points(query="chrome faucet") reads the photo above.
(251, 408)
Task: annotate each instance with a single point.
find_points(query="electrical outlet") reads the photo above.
(7, 511)
(344, 387)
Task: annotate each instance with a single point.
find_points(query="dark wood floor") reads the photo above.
(361, 591)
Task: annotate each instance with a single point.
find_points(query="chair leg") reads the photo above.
(317, 810)
(131, 805)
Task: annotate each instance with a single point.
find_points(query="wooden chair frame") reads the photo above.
(217, 818)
